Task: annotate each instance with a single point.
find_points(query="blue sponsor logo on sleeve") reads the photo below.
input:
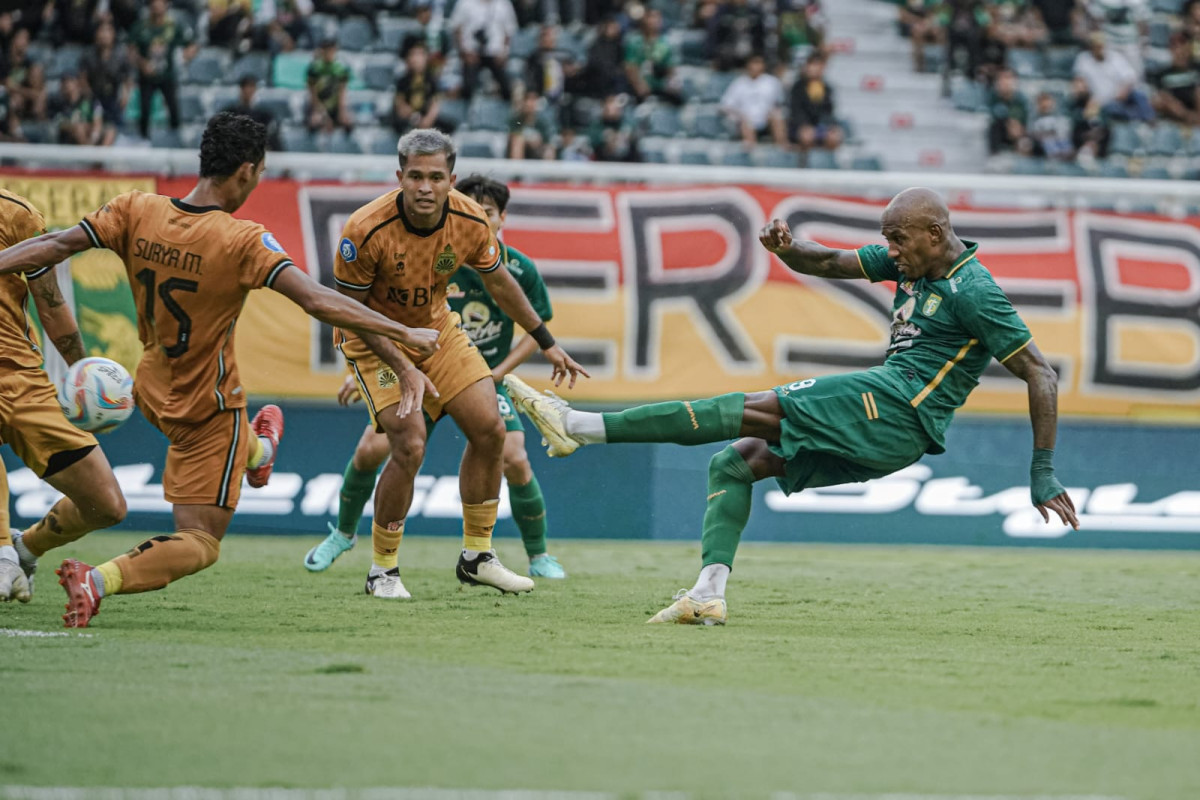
(271, 243)
(348, 251)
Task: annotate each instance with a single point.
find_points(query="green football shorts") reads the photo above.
(508, 410)
(845, 429)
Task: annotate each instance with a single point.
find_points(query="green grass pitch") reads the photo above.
(844, 672)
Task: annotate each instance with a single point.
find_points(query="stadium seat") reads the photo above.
(774, 157)
(866, 163)
(209, 66)
(355, 34)
(1166, 140)
(394, 30)
(481, 144)
(297, 139)
(453, 111)
(1060, 62)
(968, 95)
(164, 137)
(1066, 169)
(190, 135)
(382, 142)
(367, 106)
(653, 151)
(1160, 33)
(1026, 63)
(280, 102)
(38, 132)
(255, 65)
(934, 57)
(525, 42)
(1157, 172)
(192, 103)
(662, 121)
(718, 82)
(1024, 165)
(691, 44)
(1193, 143)
(1124, 139)
(66, 60)
(697, 152)
(707, 122)
(735, 156)
(321, 26)
(337, 142)
(1114, 168)
(1167, 6)
(488, 114)
(379, 75)
(290, 70)
(820, 158)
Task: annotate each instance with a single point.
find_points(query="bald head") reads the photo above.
(916, 225)
(917, 206)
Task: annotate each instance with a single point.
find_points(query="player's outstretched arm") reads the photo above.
(46, 250)
(809, 258)
(333, 308)
(507, 293)
(1048, 494)
(56, 317)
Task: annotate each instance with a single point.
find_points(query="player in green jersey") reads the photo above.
(950, 320)
(491, 331)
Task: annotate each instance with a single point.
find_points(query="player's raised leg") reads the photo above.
(474, 410)
(686, 422)
(268, 430)
(358, 482)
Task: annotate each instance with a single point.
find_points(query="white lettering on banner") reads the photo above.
(435, 497)
(1109, 507)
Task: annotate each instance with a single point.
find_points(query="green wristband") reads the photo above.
(1043, 486)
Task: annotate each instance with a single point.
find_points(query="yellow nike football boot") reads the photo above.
(686, 610)
(548, 412)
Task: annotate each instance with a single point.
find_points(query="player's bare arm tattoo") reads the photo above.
(50, 294)
(70, 347)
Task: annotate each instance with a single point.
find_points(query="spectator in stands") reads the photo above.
(920, 21)
(1009, 112)
(417, 101)
(436, 39)
(966, 23)
(1190, 22)
(755, 102)
(10, 129)
(1112, 82)
(650, 61)
(229, 23)
(155, 41)
(246, 106)
(736, 30)
(75, 20)
(1089, 128)
(530, 134)
(549, 68)
(125, 14)
(327, 82)
(813, 123)
(800, 30)
(604, 73)
(1125, 25)
(1177, 95)
(1060, 19)
(26, 81)
(286, 29)
(8, 27)
(483, 32)
(109, 74)
(613, 136)
(78, 119)
(1015, 23)
(347, 8)
(1050, 129)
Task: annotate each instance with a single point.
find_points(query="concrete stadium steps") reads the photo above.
(893, 111)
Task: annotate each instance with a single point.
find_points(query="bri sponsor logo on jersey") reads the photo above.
(348, 251)
(271, 243)
(420, 296)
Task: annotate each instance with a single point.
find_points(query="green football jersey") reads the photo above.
(944, 333)
(490, 328)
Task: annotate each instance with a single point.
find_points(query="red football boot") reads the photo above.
(83, 602)
(267, 422)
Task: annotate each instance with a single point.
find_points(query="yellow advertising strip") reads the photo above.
(942, 373)
(65, 201)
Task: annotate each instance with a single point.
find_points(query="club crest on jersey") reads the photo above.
(269, 241)
(386, 377)
(348, 251)
(931, 305)
(446, 261)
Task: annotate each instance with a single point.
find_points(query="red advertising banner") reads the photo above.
(666, 292)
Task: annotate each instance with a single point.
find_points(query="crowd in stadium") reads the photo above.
(607, 80)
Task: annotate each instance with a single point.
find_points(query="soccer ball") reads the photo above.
(96, 394)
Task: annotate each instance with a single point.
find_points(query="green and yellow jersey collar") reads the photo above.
(966, 256)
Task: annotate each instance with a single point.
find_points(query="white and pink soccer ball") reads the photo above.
(96, 394)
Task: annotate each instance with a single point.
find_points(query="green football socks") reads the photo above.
(529, 512)
(356, 491)
(714, 419)
(730, 490)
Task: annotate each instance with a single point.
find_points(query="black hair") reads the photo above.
(229, 141)
(479, 187)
